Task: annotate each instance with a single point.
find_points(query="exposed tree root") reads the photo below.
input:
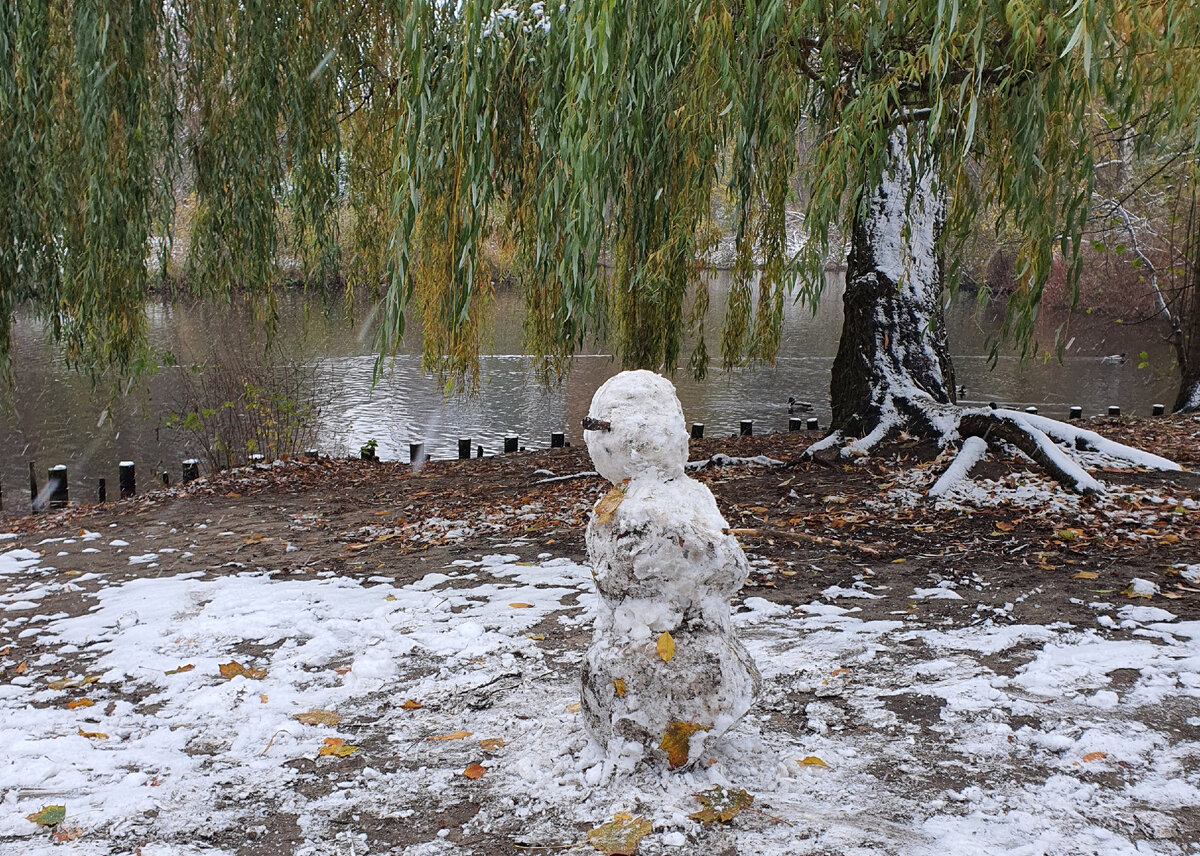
(1047, 442)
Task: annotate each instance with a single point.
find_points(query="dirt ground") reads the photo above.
(808, 529)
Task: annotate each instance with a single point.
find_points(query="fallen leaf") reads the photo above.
(21, 668)
(619, 686)
(181, 669)
(620, 836)
(62, 836)
(721, 805)
(1085, 575)
(813, 761)
(412, 705)
(677, 742)
(337, 747)
(92, 735)
(666, 646)
(233, 669)
(68, 683)
(51, 815)
(474, 771)
(390, 597)
(79, 702)
(453, 735)
(1004, 526)
(344, 670)
(574, 707)
(536, 637)
(262, 697)
(521, 605)
(318, 717)
(840, 672)
(1095, 756)
(491, 744)
(608, 504)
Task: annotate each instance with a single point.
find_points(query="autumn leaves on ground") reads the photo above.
(350, 657)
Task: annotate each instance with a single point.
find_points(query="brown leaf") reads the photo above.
(521, 605)
(21, 668)
(574, 707)
(318, 717)
(337, 747)
(412, 705)
(721, 805)
(453, 735)
(666, 646)
(62, 836)
(181, 669)
(608, 504)
(474, 771)
(619, 686)
(233, 669)
(620, 836)
(344, 670)
(1095, 756)
(1085, 575)
(491, 744)
(677, 742)
(75, 704)
(262, 697)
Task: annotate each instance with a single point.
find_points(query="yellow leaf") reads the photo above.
(666, 646)
(491, 744)
(721, 805)
(50, 815)
(390, 597)
(92, 735)
(262, 697)
(608, 504)
(619, 686)
(318, 717)
(536, 637)
(412, 705)
(620, 836)
(233, 669)
(1095, 756)
(677, 742)
(79, 702)
(813, 761)
(574, 707)
(337, 747)
(1004, 526)
(474, 771)
(1085, 575)
(521, 605)
(454, 735)
(181, 669)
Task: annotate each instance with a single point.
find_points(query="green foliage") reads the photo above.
(395, 143)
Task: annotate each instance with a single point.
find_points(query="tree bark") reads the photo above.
(893, 367)
(1188, 343)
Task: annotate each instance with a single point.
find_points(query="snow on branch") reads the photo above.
(1073, 436)
(972, 452)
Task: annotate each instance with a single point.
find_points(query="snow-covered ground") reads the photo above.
(969, 737)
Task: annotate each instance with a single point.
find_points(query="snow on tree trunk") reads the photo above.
(665, 672)
(893, 364)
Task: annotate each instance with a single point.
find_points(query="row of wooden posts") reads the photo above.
(56, 495)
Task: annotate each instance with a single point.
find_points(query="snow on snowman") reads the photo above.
(665, 672)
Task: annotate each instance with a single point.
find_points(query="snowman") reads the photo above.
(664, 670)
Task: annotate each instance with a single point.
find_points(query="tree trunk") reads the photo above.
(1188, 342)
(893, 368)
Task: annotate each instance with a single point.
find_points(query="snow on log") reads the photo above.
(972, 452)
(1071, 435)
(1019, 430)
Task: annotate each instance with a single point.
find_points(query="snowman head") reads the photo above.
(640, 428)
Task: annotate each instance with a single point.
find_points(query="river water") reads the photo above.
(58, 417)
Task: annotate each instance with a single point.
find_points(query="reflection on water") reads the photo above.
(59, 418)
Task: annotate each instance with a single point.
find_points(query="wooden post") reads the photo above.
(479, 452)
(558, 439)
(464, 448)
(127, 479)
(101, 491)
(1031, 409)
(697, 430)
(511, 442)
(1114, 410)
(33, 488)
(1157, 410)
(191, 470)
(747, 428)
(1076, 413)
(56, 481)
(166, 478)
(256, 459)
(812, 424)
(416, 453)
(795, 423)
(312, 454)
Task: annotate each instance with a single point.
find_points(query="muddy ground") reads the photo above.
(808, 528)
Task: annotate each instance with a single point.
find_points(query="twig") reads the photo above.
(522, 846)
(771, 816)
(272, 740)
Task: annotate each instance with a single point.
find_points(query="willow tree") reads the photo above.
(606, 128)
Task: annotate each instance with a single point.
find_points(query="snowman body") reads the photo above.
(664, 669)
